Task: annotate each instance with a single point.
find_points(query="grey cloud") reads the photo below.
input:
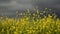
(5, 1)
(24, 4)
(57, 6)
(28, 3)
(14, 5)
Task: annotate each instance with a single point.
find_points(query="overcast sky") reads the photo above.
(8, 7)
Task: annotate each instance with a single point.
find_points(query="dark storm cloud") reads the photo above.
(12, 5)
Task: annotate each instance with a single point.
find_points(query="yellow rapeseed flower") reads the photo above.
(15, 32)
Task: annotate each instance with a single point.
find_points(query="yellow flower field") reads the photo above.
(30, 23)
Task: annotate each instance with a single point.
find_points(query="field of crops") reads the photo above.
(30, 23)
